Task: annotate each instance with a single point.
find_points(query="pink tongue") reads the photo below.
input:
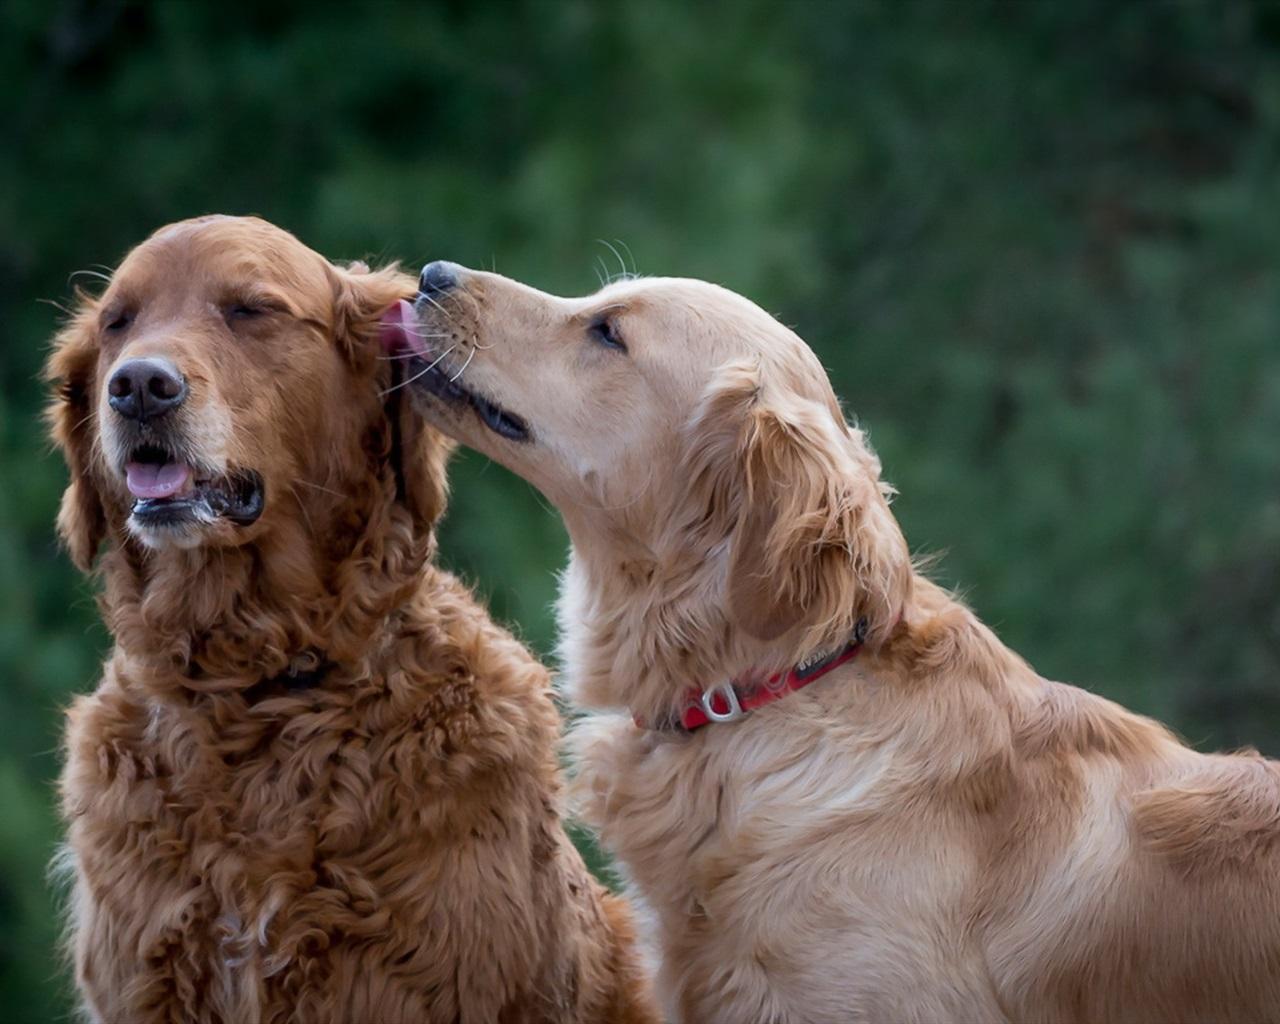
(148, 480)
(400, 331)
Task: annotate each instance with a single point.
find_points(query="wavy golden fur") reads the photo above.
(316, 782)
(932, 832)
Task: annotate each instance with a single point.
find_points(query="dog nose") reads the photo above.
(438, 276)
(146, 389)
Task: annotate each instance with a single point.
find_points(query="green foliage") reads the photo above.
(1034, 243)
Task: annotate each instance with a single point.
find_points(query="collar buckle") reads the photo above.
(727, 691)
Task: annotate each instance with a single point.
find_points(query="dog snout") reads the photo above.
(146, 389)
(438, 277)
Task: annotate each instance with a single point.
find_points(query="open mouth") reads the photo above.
(168, 493)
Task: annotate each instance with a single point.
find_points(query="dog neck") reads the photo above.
(636, 634)
(725, 701)
(225, 619)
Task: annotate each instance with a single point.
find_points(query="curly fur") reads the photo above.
(382, 846)
(932, 832)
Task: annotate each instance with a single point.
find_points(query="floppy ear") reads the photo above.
(812, 543)
(360, 297)
(418, 452)
(72, 421)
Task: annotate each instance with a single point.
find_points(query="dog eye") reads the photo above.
(120, 321)
(607, 335)
(244, 311)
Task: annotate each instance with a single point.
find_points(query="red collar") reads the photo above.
(730, 700)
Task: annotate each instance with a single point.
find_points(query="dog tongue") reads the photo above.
(149, 480)
(399, 332)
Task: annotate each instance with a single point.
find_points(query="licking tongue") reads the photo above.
(155, 480)
(399, 331)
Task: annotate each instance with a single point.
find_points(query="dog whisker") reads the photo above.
(422, 334)
(635, 267)
(441, 357)
(617, 255)
(625, 274)
(411, 355)
(83, 420)
(57, 305)
(96, 275)
(420, 373)
(302, 505)
(327, 490)
(447, 315)
(470, 357)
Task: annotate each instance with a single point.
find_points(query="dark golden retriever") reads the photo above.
(315, 782)
(844, 798)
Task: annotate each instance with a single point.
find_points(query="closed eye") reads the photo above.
(606, 333)
(120, 321)
(246, 310)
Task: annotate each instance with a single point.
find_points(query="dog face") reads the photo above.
(223, 367)
(578, 395)
(677, 419)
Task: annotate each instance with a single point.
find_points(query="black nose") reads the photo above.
(146, 389)
(438, 276)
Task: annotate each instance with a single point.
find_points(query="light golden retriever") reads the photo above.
(316, 782)
(930, 831)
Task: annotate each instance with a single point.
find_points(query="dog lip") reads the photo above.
(161, 512)
(241, 501)
(435, 381)
(499, 420)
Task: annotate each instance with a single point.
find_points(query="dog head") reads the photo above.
(225, 376)
(674, 421)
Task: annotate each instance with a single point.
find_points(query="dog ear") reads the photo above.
(811, 540)
(71, 369)
(418, 453)
(418, 457)
(361, 296)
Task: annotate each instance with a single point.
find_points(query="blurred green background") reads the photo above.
(1036, 243)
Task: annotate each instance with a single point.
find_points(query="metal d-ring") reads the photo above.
(730, 698)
